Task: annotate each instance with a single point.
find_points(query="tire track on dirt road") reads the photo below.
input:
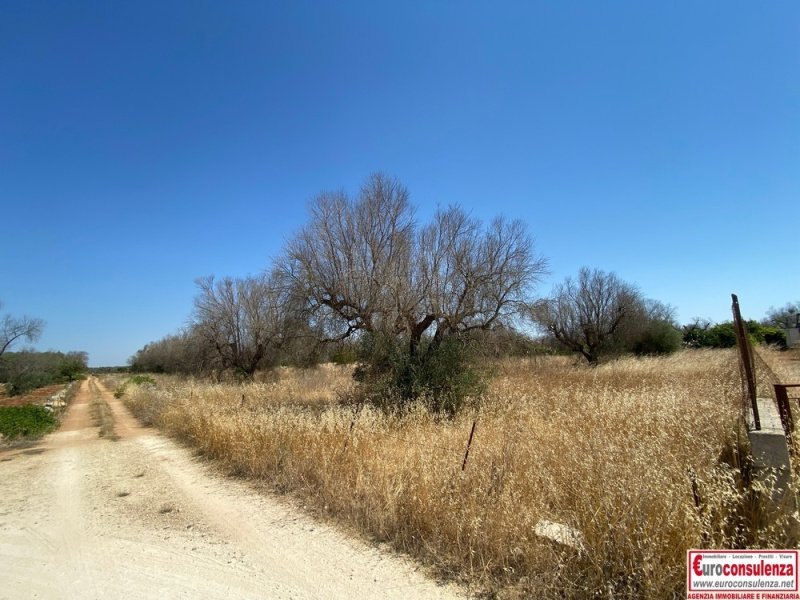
(85, 517)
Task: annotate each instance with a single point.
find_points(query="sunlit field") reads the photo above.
(609, 452)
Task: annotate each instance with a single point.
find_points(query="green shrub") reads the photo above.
(660, 337)
(723, 335)
(344, 356)
(141, 379)
(439, 372)
(23, 383)
(119, 392)
(26, 421)
(772, 336)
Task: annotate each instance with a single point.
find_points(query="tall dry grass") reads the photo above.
(606, 451)
(776, 366)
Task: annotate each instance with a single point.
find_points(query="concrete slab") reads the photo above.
(769, 447)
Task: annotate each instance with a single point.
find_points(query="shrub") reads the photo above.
(723, 335)
(439, 372)
(660, 337)
(119, 392)
(141, 379)
(25, 421)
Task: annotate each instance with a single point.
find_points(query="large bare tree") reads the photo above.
(245, 321)
(13, 329)
(585, 314)
(364, 264)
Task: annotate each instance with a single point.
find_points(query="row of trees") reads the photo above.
(365, 270)
(365, 266)
(26, 370)
(702, 333)
(366, 280)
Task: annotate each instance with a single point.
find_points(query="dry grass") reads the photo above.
(778, 366)
(101, 413)
(606, 451)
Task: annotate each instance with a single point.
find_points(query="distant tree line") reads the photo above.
(27, 370)
(704, 334)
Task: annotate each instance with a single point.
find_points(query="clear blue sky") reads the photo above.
(144, 144)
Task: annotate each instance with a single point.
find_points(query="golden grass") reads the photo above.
(605, 451)
(783, 364)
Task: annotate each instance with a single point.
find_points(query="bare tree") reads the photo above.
(245, 321)
(186, 352)
(786, 317)
(584, 315)
(364, 265)
(15, 328)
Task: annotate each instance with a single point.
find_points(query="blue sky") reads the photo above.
(145, 144)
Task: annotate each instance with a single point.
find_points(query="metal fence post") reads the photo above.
(746, 360)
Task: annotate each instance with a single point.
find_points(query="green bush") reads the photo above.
(23, 383)
(660, 337)
(119, 392)
(344, 356)
(723, 335)
(26, 421)
(439, 372)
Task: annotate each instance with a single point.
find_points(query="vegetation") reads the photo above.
(786, 317)
(28, 370)
(442, 375)
(604, 450)
(599, 315)
(27, 421)
(642, 456)
(13, 329)
(702, 334)
(101, 413)
(119, 390)
(364, 271)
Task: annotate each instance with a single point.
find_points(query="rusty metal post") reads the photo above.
(785, 411)
(469, 443)
(746, 360)
(349, 434)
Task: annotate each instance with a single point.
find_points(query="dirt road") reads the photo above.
(86, 517)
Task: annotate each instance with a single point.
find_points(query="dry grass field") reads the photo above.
(606, 451)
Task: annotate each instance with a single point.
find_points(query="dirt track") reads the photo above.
(85, 517)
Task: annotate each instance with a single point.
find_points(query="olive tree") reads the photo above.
(16, 328)
(598, 312)
(245, 321)
(364, 265)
